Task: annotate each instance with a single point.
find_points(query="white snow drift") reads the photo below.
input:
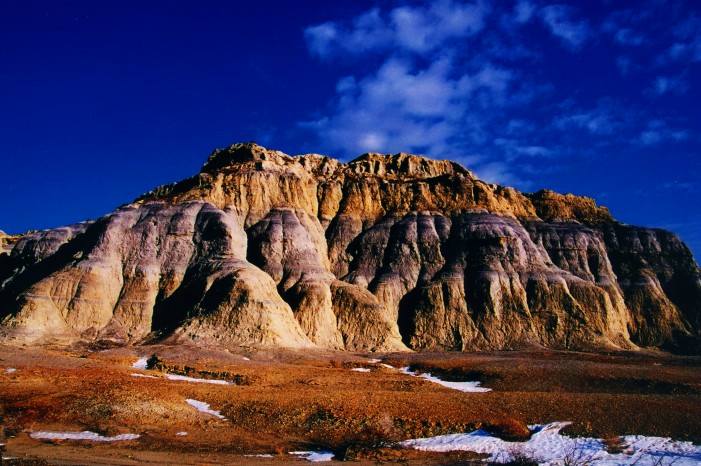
(314, 456)
(549, 447)
(183, 378)
(142, 363)
(461, 386)
(85, 435)
(203, 407)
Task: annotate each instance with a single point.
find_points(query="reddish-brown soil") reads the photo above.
(287, 400)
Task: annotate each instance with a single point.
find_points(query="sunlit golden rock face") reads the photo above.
(384, 253)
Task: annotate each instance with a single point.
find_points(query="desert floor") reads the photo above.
(284, 401)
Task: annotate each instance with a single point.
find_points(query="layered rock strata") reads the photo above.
(384, 253)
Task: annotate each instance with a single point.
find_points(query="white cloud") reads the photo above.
(437, 89)
(400, 107)
(669, 85)
(366, 33)
(680, 135)
(559, 19)
(659, 131)
(410, 29)
(668, 26)
(422, 30)
(599, 121)
(661, 85)
(421, 97)
(627, 36)
(678, 51)
(688, 34)
(611, 122)
(320, 38)
(515, 148)
(463, 80)
(683, 51)
(524, 11)
(535, 151)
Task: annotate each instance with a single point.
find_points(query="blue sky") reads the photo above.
(102, 101)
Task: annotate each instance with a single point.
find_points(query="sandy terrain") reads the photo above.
(284, 401)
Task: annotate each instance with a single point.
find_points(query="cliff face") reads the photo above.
(383, 253)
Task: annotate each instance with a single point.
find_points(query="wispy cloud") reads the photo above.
(603, 120)
(688, 35)
(426, 95)
(561, 21)
(677, 185)
(460, 80)
(515, 148)
(365, 33)
(674, 27)
(401, 108)
(682, 51)
(659, 131)
(612, 122)
(627, 36)
(417, 30)
(669, 85)
(625, 25)
(524, 11)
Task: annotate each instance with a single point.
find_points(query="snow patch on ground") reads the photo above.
(549, 447)
(246, 359)
(85, 435)
(387, 366)
(314, 456)
(181, 434)
(203, 407)
(360, 369)
(10, 370)
(374, 361)
(183, 378)
(265, 455)
(473, 387)
(142, 363)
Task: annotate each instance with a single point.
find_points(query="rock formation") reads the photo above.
(7, 242)
(384, 253)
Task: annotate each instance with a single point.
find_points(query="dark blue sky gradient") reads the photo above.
(103, 101)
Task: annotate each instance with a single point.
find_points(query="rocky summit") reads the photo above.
(384, 253)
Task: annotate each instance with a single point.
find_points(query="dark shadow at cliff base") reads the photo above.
(406, 316)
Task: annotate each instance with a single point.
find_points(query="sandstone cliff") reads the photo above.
(383, 253)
